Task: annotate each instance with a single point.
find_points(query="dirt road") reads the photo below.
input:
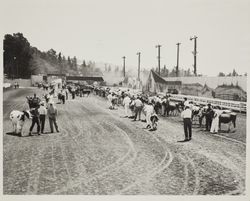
(99, 152)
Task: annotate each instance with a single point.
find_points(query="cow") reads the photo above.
(227, 118)
(172, 108)
(87, 92)
(47, 98)
(18, 118)
(154, 119)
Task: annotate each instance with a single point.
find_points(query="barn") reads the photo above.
(230, 92)
(156, 84)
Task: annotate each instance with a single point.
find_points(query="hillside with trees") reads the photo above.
(21, 60)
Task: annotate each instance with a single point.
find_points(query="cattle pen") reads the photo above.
(225, 104)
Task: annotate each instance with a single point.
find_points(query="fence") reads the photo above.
(21, 82)
(233, 105)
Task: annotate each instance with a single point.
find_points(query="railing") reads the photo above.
(233, 105)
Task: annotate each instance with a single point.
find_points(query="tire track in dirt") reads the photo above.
(70, 141)
(117, 166)
(110, 167)
(164, 163)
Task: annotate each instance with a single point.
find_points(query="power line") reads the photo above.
(195, 53)
(124, 65)
(177, 66)
(159, 58)
(139, 64)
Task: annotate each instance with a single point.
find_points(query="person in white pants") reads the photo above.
(215, 122)
(149, 110)
(110, 100)
(126, 102)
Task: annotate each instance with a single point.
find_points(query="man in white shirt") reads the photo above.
(186, 102)
(138, 108)
(215, 122)
(43, 112)
(126, 102)
(149, 110)
(187, 115)
(110, 100)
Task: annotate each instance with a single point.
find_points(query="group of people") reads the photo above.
(151, 106)
(211, 114)
(134, 106)
(16, 85)
(39, 111)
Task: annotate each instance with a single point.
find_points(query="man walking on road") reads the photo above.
(35, 120)
(52, 114)
(138, 108)
(43, 112)
(186, 115)
(126, 102)
(209, 117)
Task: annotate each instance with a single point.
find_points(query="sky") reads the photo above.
(107, 30)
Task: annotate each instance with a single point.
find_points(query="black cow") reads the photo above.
(228, 118)
(172, 108)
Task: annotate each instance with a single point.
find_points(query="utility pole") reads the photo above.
(177, 66)
(195, 53)
(139, 64)
(124, 65)
(15, 66)
(159, 58)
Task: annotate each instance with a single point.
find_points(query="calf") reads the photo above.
(17, 118)
(227, 118)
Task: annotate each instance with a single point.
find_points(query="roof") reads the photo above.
(56, 74)
(82, 78)
(160, 80)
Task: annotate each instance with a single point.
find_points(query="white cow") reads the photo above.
(17, 118)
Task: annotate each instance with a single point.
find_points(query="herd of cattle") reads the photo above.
(163, 105)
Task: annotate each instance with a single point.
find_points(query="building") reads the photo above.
(156, 84)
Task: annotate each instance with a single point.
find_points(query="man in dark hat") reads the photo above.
(35, 120)
(186, 115)
(209, 117)
(43, 112)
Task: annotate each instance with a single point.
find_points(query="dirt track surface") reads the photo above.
(99, 152)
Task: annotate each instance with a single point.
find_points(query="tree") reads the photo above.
(187, 73)
(64, 64)
(221, 74)
(60, 61)
(234, 73)
(117, 69)
(69, 62)
(109, 68)
(172, 73)
(84, 64)
(74, 63)
(17, 56)
(52, 56)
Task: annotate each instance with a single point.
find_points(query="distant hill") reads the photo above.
(41, 66)
(21, 60)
